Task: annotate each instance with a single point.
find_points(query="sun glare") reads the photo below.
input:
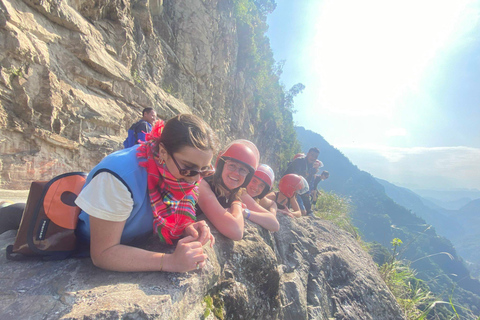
(367, 54)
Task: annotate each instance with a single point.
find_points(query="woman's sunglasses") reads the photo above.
(232, 166)
(192, 173)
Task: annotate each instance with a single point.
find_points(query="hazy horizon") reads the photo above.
(393, 86)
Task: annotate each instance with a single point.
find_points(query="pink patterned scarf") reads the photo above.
(172, 201)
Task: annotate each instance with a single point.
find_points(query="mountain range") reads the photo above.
(448, 199)
(382, 212)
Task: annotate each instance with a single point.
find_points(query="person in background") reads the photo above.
(314, 191)
(139, 129)
(261, 210)
(153, 188)
(289, 187)
(303, 166)
(220, 195)
(312, 174)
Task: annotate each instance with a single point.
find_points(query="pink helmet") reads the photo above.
(266, 175)
(291, 183)
(318, 164)
(242, 151)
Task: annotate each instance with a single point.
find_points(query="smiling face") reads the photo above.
(187, 158)
(233, 174)
(150, 117)
(255, 187)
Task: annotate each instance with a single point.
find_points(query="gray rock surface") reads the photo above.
(308, 270)
(74, 75)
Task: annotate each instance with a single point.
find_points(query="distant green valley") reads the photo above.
(382, 214)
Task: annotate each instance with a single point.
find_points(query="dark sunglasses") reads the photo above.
(192, 173)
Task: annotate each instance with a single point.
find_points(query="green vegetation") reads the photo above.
(336, 209)
(213, 304)
(15, 72)
(272, 104)
(136, 76)
(168, 89)
(412, 294)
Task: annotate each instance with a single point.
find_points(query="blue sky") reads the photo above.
(394, 85)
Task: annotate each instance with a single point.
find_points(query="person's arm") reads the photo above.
(286, 211)
(269, 204)
(295, 208)
(108, 203)
(259, 215)
(107, 252)
(228, 222)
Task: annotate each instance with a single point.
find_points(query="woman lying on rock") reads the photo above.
(290, 185)
(222, 195)
(263, 211)
(152, 187)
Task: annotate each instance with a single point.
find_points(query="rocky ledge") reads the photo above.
(310, 269)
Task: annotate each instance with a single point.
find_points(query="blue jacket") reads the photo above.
(137, 132)
(124, 165)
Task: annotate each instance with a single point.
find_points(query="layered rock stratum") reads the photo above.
(74, 75)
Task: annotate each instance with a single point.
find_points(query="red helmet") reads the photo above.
(291, 183)
(242, 151)
(299, 155)
(266, 175)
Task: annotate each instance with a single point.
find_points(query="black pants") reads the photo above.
(306, 202)
(10, 217)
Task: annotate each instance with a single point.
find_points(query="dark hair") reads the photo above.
(314, 149)
(146, 110)
(326, 174)
(187, 130)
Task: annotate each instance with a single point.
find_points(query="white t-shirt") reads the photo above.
(106, 198)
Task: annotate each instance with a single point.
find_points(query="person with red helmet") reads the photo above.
(289, 187)
(304, 166)
(262, 182)
(220, 195)
(262, 211)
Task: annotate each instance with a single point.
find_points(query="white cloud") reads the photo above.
(439, 167)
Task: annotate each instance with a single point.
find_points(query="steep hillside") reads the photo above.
(74, 75)
(459, 226)
(469, 241)
(380, 219)
(444, 224)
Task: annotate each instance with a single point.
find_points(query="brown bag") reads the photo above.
(49, 220)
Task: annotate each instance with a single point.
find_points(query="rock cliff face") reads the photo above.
(75, 74)
(308, 270)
